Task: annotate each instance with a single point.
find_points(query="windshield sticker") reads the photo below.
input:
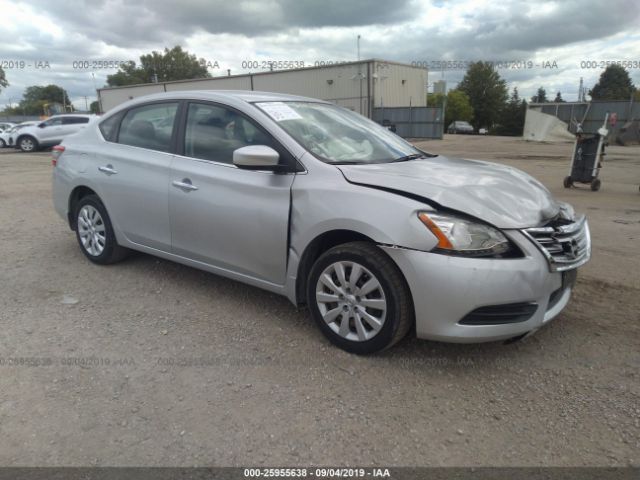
(279, 111)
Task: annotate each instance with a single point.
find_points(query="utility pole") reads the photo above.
(358, 45)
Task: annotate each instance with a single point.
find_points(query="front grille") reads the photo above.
(500, 314)
(565, 245)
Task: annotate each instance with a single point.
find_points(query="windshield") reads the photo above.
(337, 135)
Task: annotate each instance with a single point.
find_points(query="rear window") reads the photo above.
(109, 127)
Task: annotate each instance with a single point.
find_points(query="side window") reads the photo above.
(213, 133)
(74, 120)
(53, 122)
(149, 126)
(109, 127)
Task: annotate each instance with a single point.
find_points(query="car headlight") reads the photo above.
(458, 236)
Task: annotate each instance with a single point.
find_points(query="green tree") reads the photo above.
(540, 96)
(174, 64)
(487, 93)
(3, 80)
(129, 74)
(513, 114)
(435, 99)
(458, 107)
(36, 100)
(614, 84)
(558, 98)
(94, 107)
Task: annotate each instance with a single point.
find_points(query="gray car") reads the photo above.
(460, 127)
(317, 203)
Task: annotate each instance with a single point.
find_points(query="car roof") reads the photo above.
(248, 96)
(73, 115)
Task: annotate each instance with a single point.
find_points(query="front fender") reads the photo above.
(327, 202)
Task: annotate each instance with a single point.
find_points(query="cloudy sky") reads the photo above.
(41, 40)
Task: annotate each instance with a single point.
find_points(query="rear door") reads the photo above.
(231, 218)
(132, 170)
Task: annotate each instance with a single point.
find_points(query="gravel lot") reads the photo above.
(152, 363)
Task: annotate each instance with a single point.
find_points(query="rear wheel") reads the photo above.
(27, 144)
(567, 182)
(595, 184)
(359, 298)
(2, 143)
(95, 233)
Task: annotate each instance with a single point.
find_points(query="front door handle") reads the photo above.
(184, 184)
(108, 169)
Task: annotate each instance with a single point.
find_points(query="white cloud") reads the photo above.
(304, 30)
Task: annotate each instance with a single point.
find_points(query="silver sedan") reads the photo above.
(317, 203)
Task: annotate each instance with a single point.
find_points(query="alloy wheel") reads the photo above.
(27, 145)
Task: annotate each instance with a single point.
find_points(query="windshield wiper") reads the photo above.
(347, 162)
(409, 157)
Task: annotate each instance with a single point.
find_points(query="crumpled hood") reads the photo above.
(503, 196)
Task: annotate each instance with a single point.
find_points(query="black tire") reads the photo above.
(567, 182)
(595, 184)
(112, 252)
(2, 143)
(399, 316)
(27, 144)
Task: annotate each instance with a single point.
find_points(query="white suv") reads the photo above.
(8, 136)
(51, 132)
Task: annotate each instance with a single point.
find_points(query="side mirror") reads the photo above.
(256, 157)
(41, 125)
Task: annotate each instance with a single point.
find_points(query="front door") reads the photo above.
(51, 131)
(234, 219)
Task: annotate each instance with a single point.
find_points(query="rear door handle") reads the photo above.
(108, 169)
(185, 184)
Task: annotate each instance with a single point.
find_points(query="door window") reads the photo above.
(150, 126)
(53, 122)
(213, 133)
(74, 120)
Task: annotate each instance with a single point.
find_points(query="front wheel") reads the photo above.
(567, 182)
(95, 233)
(2, 143)
(359, 298)
(595, 184)
(27, 144)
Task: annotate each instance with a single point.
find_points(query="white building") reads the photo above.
(359, 86)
